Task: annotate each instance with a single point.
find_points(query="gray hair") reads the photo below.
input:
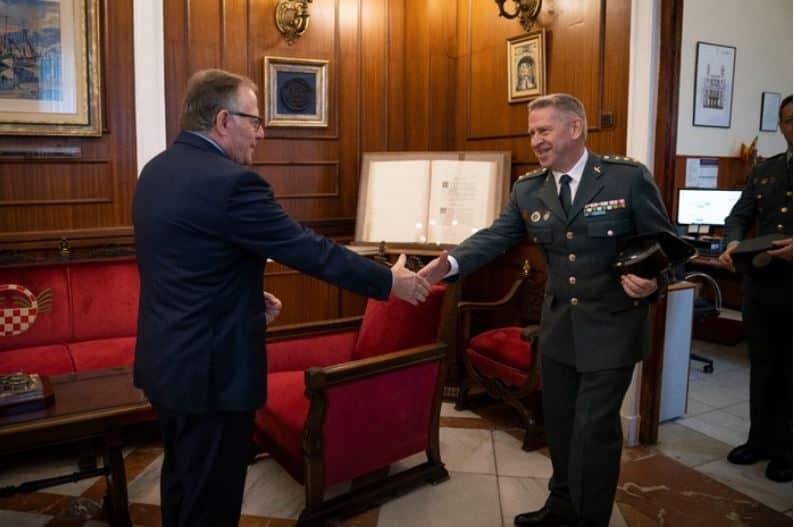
(562, 102)
(208, 92)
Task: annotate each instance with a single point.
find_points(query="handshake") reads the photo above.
(414, 287)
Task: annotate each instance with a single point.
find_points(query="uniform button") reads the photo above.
(535, 239)
(784, 210)
(610, 232)
(759, 196)
(574, 301)
(780, 227)
(788, 193)
(572, 280)
(569, 235)
(636, 303)
(571, 257)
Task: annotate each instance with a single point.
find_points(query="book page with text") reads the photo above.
(462, 199)
(397, 194)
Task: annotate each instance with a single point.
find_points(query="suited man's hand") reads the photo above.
(637, 287)
(272, 307)
(783, 250)
(407, 285)
(436, 269)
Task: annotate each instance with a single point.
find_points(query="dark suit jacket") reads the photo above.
(204, 226)
(765, 204)
(588, 321)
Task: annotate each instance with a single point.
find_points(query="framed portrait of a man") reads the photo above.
(526, 67)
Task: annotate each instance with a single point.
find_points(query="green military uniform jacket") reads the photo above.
(765, 204)
(588, 321)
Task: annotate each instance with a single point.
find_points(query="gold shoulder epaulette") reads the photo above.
(531, 174)
(621, 160)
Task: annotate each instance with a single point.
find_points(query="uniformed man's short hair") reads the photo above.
(562, 102)
(783, 104)
(208, 92)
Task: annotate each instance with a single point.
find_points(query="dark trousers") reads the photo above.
(768, 330)
(204, 467)
(582, 423)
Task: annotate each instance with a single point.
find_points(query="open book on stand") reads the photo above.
(434, 198)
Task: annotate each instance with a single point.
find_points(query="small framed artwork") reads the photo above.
(296, 92)
(714, 71)
(50, 68)
(526, 67)
(770, 104)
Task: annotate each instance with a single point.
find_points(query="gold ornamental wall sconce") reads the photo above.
(527, 11)
(292, 18)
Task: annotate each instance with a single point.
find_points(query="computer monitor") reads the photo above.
(705, 206)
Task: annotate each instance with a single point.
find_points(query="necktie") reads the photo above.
(565, 193)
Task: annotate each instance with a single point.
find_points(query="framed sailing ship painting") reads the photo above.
(49, 68)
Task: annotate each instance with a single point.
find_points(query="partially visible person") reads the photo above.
(204, 226)
(765, 204)
(578, 209)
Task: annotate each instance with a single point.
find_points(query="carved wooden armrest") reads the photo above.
(530, 333)
(489, 306)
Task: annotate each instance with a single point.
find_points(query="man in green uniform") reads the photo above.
(765, 204)
(578, 208)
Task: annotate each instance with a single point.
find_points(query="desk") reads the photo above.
(87, 405)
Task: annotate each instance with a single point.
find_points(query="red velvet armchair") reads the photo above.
(344, 405)
(504, 360)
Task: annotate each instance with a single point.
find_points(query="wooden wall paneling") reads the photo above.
(442, 22)
(205, 34)
(375, 88)
(416, 81)
(176, 60)
(397, 113)
(84, 198)
(235, 28)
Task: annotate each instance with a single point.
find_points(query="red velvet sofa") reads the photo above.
(64, 317)
(345, 404)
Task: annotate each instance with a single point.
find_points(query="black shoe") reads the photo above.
(747, 455)
(543, 517)
(779, 471)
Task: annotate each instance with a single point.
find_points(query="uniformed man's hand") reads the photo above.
(272, 306)
(436, 269)
(726, 257)
(637, 287)
(784, 250)
(406, 284)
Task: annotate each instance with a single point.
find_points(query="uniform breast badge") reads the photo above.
(535, 217)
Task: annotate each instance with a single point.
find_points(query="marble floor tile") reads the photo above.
(271, 492)
(696, 407)
(22, 519)
(750, 480)
(725, 420)
(517, 495)
(512, 461)
(740, 410)
(448, 410)
(689, 446)
(466, 500)
(711, 426)
(466, 450)
(661, 489)
(145, 488)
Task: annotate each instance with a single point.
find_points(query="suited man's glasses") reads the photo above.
(255, 119)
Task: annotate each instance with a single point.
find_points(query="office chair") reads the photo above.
(704, 308)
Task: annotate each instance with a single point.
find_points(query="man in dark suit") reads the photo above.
(204, 226)
(765, 203)
(578, 208)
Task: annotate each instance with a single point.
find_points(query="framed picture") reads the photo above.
(526, 67)
(296, 92)
(713, 99)
(770, 104)
(49, 68)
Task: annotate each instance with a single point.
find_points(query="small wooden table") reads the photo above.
(87, 405)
